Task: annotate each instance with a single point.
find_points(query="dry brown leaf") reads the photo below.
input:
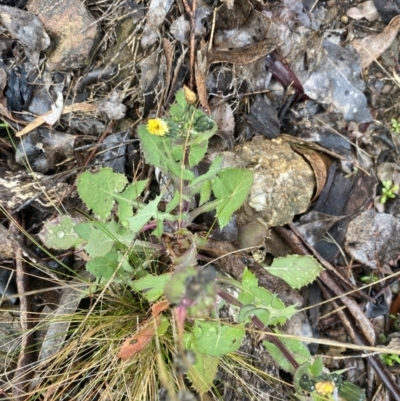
(137, 342)
(371, 47)
(201, 71)
(83, 107)
(169, 57)
(319, 164)
(243, 55)
(145, 333)
(159, 307)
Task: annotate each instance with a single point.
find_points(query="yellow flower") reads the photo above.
(325, 387)
(158, 127)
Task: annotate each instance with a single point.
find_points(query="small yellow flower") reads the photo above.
(158, 127)
(325, 387)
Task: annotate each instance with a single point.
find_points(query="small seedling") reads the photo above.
(389, 190)
(395, 125)
(390, 359)
(369, 279)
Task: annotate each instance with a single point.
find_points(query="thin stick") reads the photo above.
(22, 372)
(192, 14)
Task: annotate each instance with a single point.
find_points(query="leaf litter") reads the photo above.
(261, 70)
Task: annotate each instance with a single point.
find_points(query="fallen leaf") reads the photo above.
(372, 239)
(222, 114)
(155, 17)
(137, 342)
(180, 28)
(232, 14)
(314, 225)
(254, 29)
(319, 164)
(200, 71)
(27, 28)
(243, 55)
(56, 110)
(371, 47)
(159, 307)
(337, 82)
(141, 339)
(263, 118)
(364, 10)
(83, 107)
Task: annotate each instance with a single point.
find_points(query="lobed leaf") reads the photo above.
(216, 339)
(126, 200)
(59, 233)
(231, 187)
(97, 190)
(152, 287)
(202, 373)
(297, 270)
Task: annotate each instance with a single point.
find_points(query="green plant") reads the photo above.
(395, 125)
(390, 359)
(125, 238)
(389, 190)
(313, 379)
(372, 278)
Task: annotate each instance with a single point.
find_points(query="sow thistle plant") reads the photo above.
(124, 238)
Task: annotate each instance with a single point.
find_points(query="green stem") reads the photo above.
(207, 207)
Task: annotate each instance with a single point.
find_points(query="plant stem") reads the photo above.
(207, 207)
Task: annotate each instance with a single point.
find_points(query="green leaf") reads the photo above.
(260, 302)
(144, 215)
(59, 233)
(249, 279)
(196, 153)
(178, 108)
(212, 172)
(158, 151)
(205, 192)
(99, 241)
(173, 203)
(231, 187)
(163, 326)
(151, 286)
(248, 311)
(275, 311)
(216, 339)
(299, 351)
(98, 190)
(317, 367)
(126, 200)
(297, 270)
(202, 373)
(103, 266)
(101, 237)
